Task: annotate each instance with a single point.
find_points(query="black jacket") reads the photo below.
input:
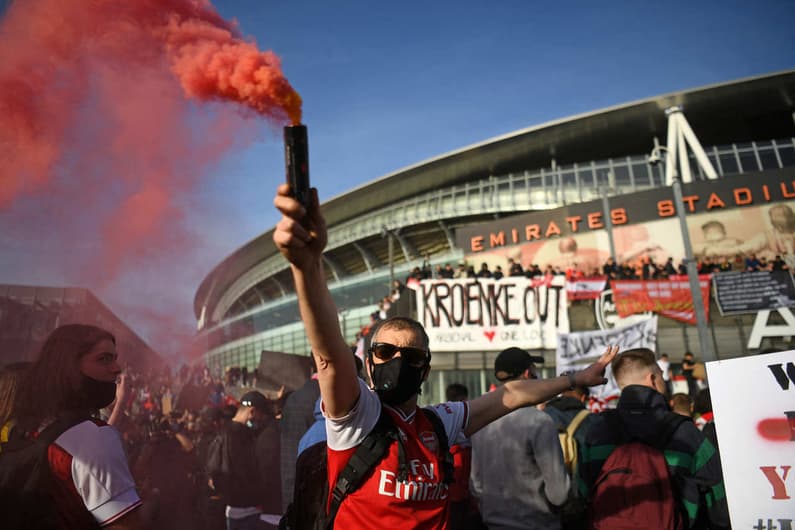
(242, 486)
(692, 460)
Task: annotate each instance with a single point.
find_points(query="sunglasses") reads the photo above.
(385, 351)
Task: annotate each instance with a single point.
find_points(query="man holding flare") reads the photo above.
(406, 489)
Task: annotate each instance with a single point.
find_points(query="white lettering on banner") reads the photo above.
(577, 350)
(488, 314)
(582, 348)
(762, 330)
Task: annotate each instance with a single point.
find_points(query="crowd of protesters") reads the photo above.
(165, 424)
(350, 449)
(168, 421)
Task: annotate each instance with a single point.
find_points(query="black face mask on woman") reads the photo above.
(396, 381)
(96, 394)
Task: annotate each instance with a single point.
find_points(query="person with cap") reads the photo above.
(232, 464)
(517, 464)
(405, 489)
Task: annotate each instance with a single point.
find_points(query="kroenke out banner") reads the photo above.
(742, 214)
(482, 314)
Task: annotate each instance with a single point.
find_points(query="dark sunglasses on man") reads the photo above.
(385, 351)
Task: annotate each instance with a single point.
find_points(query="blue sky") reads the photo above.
(387, 85)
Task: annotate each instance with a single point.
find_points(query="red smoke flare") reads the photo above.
(101, 151)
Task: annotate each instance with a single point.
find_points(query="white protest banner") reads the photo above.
(482, 314)
(753, 400)
(579, 349)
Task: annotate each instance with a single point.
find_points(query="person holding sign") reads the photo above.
(408, 486)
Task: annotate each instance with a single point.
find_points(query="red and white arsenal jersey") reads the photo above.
(421, 502)
(90, 467)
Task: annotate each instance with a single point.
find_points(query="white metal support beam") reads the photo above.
(680, 137)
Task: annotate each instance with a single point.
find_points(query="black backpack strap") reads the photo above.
(60, 426)
(367, 455)
(50, 433)
(444, 444)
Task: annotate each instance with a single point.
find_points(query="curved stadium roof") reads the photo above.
(737, 111)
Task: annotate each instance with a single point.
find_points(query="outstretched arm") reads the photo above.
(524, 392)
(301, 237)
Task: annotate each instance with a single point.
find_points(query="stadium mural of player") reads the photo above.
(729, 219)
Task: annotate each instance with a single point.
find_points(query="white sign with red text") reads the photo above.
(753, 399)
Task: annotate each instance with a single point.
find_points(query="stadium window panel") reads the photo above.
(621, 173)
(641, 172)
(768, 159)
(568, 189)
(729, 163)
(568, 178)
(748, 161)
(586, 178)
(787, 154)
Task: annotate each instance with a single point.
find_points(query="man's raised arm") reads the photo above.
(525, 392)
(301, 237)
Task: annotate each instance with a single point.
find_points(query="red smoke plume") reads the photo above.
(101, 149)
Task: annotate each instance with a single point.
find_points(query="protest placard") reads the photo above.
(753, 400)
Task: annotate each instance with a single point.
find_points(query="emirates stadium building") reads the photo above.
(566, 194)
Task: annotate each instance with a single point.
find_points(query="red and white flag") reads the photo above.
(586, 288)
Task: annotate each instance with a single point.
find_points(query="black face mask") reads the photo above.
(96, 394)
(395, 381)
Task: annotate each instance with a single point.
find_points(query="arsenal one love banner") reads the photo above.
(483, 314)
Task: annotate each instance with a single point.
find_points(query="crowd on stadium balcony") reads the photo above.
(644, 268)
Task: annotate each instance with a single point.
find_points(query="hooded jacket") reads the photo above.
(692, 460)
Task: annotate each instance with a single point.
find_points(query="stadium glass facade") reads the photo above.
(247, 322)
